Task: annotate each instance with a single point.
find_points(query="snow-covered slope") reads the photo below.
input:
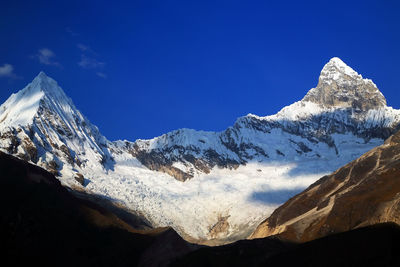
(41, 124)
(212, 187)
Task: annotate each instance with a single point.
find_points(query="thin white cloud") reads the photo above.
(90, 63)
(71, 32)
(7, 71)
(101, 75)
(83, 47)
(46, 57)
(86, 49)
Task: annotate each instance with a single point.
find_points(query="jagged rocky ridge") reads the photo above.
(343, 102)
(211, 187)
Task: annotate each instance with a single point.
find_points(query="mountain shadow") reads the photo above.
(42, 223)
(376, 245)
(274, 197)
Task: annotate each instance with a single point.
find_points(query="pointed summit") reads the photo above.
(340, 86)
(336, 67)
(46, 84)
(43, 125)
(43, 78)
(41, 75)
(21, 107)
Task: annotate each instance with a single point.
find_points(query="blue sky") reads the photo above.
(141, 69)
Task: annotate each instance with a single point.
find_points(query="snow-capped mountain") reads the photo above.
(343, 102)
(210, 186)
(41, 124)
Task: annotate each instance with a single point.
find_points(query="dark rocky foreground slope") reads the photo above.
(376, 245)
(43, 223)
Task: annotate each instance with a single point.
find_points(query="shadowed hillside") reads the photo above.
(376, 245)
(43, 223)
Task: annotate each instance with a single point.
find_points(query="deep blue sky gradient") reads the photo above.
(194, 64)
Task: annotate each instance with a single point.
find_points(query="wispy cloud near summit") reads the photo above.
(7, 71)
(46, 57)
(101, 75)
(71, 32)
(84, 48)
(90, 63)
(89, 60)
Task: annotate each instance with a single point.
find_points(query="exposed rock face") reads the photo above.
(340, 86)
(190, 157)
(80, 179)
(364, 192)
(220, 227)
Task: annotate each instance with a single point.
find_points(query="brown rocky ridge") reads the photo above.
(363, 192)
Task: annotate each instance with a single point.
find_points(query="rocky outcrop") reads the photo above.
(364, 192)
(340, 86)
(80, 179)
(163, 158)
(220, 227)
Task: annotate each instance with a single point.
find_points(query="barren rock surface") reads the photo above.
(364, 192)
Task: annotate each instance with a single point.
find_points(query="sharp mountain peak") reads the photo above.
(340, 66)
(42, 93)
(340, 86)
(46, 84)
